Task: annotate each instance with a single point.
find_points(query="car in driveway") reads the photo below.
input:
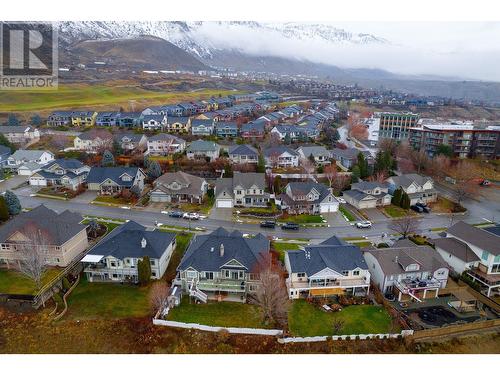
(268, 224)
(290, 226)
(363, 224)
(191, 216)
(341, 200)
(417, 208)
(424, 207)
(175, 214)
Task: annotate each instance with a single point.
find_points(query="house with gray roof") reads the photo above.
(486, 245)
(63, 233)
(225, 129)
(68, 173)
(348, 157)
(457, 254)
(202, 127)
(241, 190)
(180, 125)
(154, 122)
(307, 198)
(201, 149)
(165, 144)
(5, 152)
(419, 188)
(20, 134)
(115, 258)
(409, 272)
(281, 157)
(34, 158)
(179, 187)
(253, 129)
(112, 180)
(366, 194)
(320, 154)
(331, 268)
(222, 265)
(131, 141)
(242, 154)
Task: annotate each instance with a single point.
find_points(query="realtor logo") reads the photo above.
(28, 56)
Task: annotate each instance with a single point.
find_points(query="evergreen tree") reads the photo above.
(355, 174)
(36, 120)
(117, 148)
(12, 202)
(146, 162)
(445, 150)
(4, 211)
(12, 120)
(277, 185)
(5, 142)
(363, 165)
(405, 201)
(2, 174)
(228, 170)
(154, 170)
(396, 198)
(261, 165)
(144, 270)
(287, 140)
(108, 160)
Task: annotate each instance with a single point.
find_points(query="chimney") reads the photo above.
(396, 259)
(221, 250)
(143, 243)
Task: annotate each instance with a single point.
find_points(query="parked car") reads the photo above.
(290, 226)
(341, 200)
(363, 224)
(485, 183)
(191, 216)
(176, 214)
(424, 207)
(417, 208)
(268, 224)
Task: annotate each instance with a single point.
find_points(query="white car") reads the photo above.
(341, 200)
(363, 224)
(191, 216)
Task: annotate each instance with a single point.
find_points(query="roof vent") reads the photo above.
(143, 243)
(221, 250)
(212, 249)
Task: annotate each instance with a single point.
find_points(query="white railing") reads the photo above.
(195, 292)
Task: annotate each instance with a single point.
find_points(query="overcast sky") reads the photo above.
(469, 50)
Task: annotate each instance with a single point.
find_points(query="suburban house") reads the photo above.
(333, 267)
(5, 152)
(222, 265)
(409, 272)
(307, 198)
(179, 125)
(349, 157)
(281, 157)
(367, 194)
(457, 254)
(112, 180)
(63, 234)
(203, 150)
(131, 141)
(129, 119)
(20, 134)
(179, 187)
(83, 118)
(202, 127)
(226, 129)
(242, 154)
(68, 173)
(154, 122)
(320, 154)
(485, 243)
(419, 188)
(59, 118)
(253, 130)
(116, 257)
(243, 190)
(290, 132)
(165, 144)
(107, 119)
(93, 141)
(31, 159)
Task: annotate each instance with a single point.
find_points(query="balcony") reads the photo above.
(222, 285)
(348, 283)
(485, 278)
(411, 285)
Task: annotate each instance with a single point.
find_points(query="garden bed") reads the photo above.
(347, 214)
(302, 219)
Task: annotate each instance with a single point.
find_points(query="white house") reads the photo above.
(281, 157)
(165, 144)
(307, 197)
(154, 122)
(20, 134)
(69, 173)
(32, 160)
(419, 188)
(368, 195)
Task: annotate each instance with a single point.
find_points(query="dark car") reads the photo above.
(417, 208)
(424, 207)
(290, 226)
(268, 224)
(176, 214)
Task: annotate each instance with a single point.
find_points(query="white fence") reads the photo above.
(201, 327)
(369, 336)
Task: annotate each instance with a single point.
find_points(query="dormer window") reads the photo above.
(412, 267)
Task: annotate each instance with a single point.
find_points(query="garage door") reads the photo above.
(38, 182)
(224, 203)
(328, 208)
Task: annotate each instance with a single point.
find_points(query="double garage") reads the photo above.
(224, 203)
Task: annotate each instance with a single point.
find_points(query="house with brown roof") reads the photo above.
(179, 187)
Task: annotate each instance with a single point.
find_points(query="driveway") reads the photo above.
(334, 219)
(374, 214)
(224, 214)
(85, 197)
(13, 182)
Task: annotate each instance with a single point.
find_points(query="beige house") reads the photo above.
(20, 134)
(63, 233)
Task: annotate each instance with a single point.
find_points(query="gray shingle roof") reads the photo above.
(203, 254)
(167, 137)
(303, 188)
(476, 236)
(192, 184)
(125, 242)
(100, 174)
(457, 248)
(4, 150)
(405, 180)
(28, 154)
(243, 150)
(15, 129)
(65, 164)
(314, 150)
(201, 145)
(59, 227)
(278, 150)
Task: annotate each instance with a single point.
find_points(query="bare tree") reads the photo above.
(380, 176)
(337, 325)
(330, 172)
(308, 166)
(466, 184)
(405, 226)
(271, 294)
(158, 296)
(340, 182)
(34, 252)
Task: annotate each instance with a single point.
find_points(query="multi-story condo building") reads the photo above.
(397, 125)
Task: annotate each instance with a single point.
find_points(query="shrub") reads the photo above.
(56, 297)
(382, 245)
(66, 284)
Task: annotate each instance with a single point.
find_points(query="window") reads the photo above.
(209, 275)
(227, 274)
(191, 274)
(345, 273)
(355, 273)
(485, 255)
(301, 274)
(153, 262)
(153, 274)
(495, 268)
(113, 264)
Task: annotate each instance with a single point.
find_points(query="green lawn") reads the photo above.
(303, 219)
(282, 247)
(362, 243)
(183, 240)
(349, 216)
(110, 226)
(107, 300)
(203, 208)
(396, 212)
(305, 319)
(222, 314)
(112, 200)
(14, 282)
